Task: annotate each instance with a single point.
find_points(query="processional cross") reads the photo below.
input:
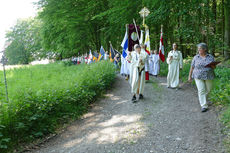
(144, 13)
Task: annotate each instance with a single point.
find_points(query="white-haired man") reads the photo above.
(137, 60)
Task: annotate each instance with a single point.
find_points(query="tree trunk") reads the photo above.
(227, 29)
(180, 37)
(208, 25)
(214, 25)
(222, 18)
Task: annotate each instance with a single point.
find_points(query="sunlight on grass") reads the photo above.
(42, 97)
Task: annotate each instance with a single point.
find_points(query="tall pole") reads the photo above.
(5, 80)
(136, 29)
(144, 21)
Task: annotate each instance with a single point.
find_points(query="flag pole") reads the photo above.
(161, 49)
(136, 30)
(162, 28)
(114, 49)
(110, 44)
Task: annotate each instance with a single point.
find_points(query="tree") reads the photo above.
(227, 29)
(24, 42)
(69, 27)
(73, 27)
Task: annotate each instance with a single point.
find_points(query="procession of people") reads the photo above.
(137, 63)
(139, 59)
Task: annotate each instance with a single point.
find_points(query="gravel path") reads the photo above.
(166, 121)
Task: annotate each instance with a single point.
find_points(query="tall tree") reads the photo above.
(75, 26)
(227, 29)
(24, 42)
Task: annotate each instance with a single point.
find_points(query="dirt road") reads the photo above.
(166, 121)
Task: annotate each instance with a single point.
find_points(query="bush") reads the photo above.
(68, 63)
(163, 69)
(221, 91)
(42, 97)
(220, 95)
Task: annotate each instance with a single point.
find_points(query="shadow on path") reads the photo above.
(166, 121)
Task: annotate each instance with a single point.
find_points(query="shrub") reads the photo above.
(42, 97)
(221, 91)
(220, 95)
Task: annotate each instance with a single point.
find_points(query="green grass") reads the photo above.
(221, 96)
(43, 97)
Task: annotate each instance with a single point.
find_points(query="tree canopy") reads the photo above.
(73, 27)
(24, 42)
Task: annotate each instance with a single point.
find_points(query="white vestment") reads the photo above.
(122, 66)
(147, 63)
(128, 67)
(150, 64)
(106, 56)
(137, 71)
(125, 66)
(82, 59)
(89, 60)
(156, 64)
(174, 68)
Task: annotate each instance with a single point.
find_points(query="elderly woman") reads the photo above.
(175, 62)
(137, 71)
(202, 74)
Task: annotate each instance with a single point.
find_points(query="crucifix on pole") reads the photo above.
(144, 13)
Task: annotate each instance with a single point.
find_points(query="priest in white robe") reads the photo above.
(151, 63)
(137, 71)
(156, 63)
(175, 62)
(122, 71)
(127, 67)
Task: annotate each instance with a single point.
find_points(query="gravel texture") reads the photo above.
(166, 121)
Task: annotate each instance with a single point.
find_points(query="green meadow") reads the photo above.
(43, 97)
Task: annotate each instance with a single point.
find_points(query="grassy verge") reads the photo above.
(220, 94)
(42, 98)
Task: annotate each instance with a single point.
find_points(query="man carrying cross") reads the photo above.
(137, 71)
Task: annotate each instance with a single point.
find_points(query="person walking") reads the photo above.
(156, 63)
(151, 63)
(137, 71)
(175, 62)
(203, 73)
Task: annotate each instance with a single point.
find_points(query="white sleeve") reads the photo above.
(168, 59)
